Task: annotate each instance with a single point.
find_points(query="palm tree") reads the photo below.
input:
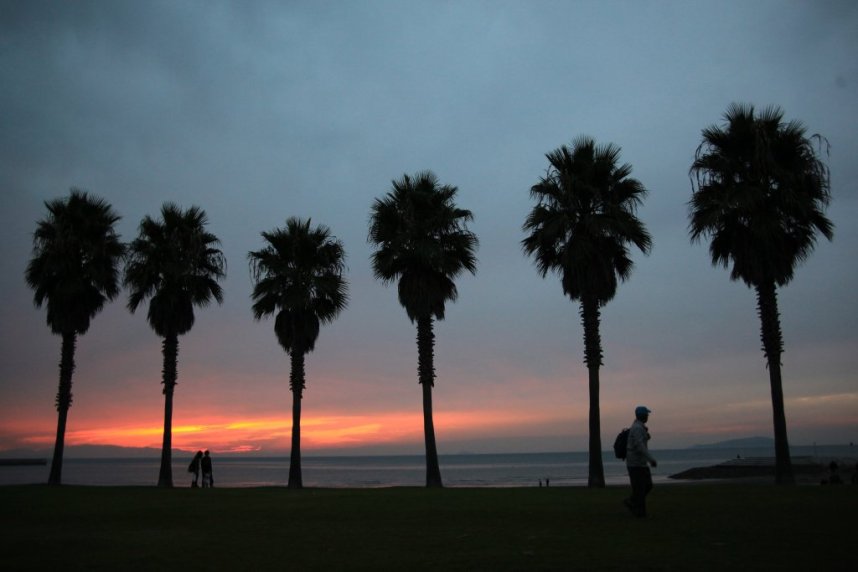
(423, 241)
(174, 262)
(581, 228)
(74, 269)
(299, 277)
(759, 192)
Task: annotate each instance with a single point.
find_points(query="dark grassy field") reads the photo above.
(691, 527)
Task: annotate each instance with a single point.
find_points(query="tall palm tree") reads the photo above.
(581, 228)
(299, 277)
(74, 270)
(176, 264)
(423, 241)
(759, 192)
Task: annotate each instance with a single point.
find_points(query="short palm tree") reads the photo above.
(176, 264)
(581, 228)
(74, 270)
(298, 277)
(423, 241)
(760, 192)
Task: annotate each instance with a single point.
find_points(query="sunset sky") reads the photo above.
(258, 111)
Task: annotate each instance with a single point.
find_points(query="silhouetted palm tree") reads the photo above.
(299, 277)
(74, 269)
(581, 228)
(422, 240)
(174, 262)
(759, 192)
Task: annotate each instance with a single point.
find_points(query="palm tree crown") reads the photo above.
(760, 195)
(75, 264)
(176, 263)
(423, 241)
(298, 276)
(585, 219)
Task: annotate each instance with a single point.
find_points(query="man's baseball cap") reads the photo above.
(641, 410)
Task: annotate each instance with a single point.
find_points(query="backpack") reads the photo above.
(621, 444)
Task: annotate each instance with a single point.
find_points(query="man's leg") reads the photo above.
(637, 476)
(646, 485)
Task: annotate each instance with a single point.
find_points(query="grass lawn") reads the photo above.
(691, 527)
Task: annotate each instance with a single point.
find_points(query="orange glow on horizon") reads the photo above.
(221, 431)
(317, 432)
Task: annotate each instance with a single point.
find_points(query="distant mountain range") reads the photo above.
(746, 442)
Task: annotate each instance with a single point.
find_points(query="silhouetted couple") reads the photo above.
(201, 461)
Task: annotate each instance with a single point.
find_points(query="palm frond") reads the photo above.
(74, 267)
(298, 276)
(176, 264)
(422, 241)
(583, 219)
(759, 191)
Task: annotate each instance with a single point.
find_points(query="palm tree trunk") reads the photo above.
(64, 399)
(296, 383)
(593, 358)
(170, 349)
(426, 376)
(767, 306)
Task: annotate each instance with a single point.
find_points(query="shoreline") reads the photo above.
(510, 471)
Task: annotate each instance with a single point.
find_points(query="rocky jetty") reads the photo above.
(810, 469)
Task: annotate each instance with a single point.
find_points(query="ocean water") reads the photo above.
(486, 470)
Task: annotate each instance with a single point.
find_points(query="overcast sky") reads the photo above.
(258, 111)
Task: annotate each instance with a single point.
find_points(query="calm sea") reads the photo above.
(499, 470)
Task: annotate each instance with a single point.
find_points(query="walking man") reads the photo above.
(638, 461)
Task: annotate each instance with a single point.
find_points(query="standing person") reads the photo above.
(194, 468)
(208, 479)
(834, 471)
(637, 459)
